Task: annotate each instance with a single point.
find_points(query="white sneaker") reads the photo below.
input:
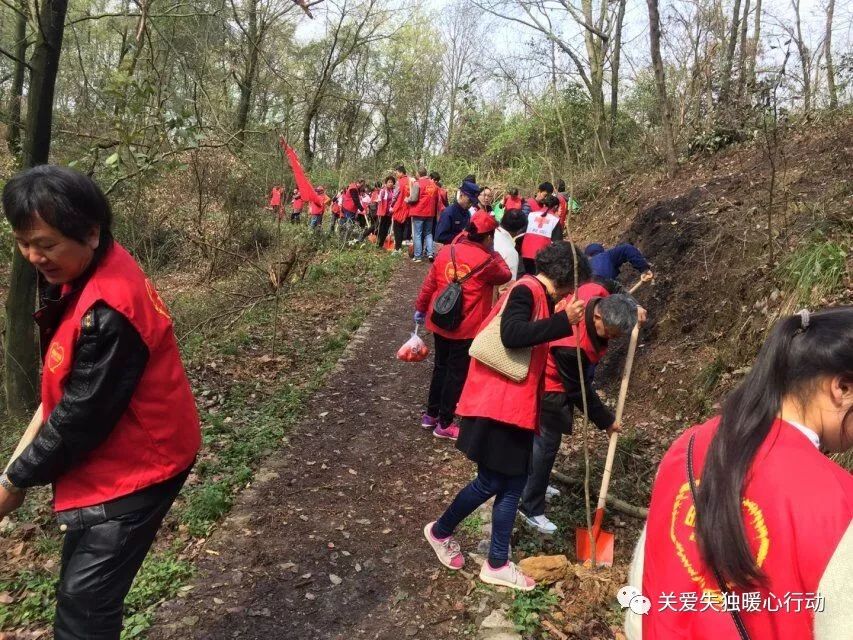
(551, 492)
(540, 523)
(508, 575)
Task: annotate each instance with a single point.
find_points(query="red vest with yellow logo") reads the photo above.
(488, 394)
(427, 198)
(797, 505)
(158, 435)
(586, 292)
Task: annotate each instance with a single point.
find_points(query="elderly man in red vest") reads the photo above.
(120, 430)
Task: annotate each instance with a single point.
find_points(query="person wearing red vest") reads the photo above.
(296, 206)
(499, 417)
(605, 318)
(351, 200)
(424, 192)
(543, 228)
(470, 254)
(512, 200)
(769, 532)
(383, 209)
(532, 205)
(317, 207)
(275, 200)
(120, 430)
(400, 207)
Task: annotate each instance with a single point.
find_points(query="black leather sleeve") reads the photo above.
(109, 360)
(566, 359)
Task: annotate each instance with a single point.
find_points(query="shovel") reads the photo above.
(29, 435)
(597, 545)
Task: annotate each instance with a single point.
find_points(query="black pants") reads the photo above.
(555, 419)
(448, 377)
(384, 226)
(399, 233)
(295, 217)
(100, 559)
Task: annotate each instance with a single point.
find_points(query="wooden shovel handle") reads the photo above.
(620, 407)
(29, 435)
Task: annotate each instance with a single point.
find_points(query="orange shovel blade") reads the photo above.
(603, 547)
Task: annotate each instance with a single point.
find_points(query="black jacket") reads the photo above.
(109, 360)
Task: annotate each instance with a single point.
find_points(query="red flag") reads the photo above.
(306, 191)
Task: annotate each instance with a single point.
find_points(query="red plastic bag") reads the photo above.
(413, 350)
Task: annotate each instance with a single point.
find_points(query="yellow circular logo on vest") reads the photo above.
(683, 536)
(55, 356)
(156, 300)
(460, 272)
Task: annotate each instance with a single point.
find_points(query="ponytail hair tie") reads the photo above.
(805, 318)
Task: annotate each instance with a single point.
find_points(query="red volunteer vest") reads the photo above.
(534, 206)
(797, 505)
(540, 227)
(318, 207)
(562, 209)
(347, 202)
(586, 292)
(384, 200)
(159, 435)
(512, 202)
(477, 295)
(427, 196)
(297, 204)
(442, 200)
(488, 394)
(275, 197)
(401, 207)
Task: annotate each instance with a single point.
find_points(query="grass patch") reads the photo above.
(527, 608)
(35, 591)
(815, 271)
(472, 525)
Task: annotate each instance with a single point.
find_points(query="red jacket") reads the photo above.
(427, 199)
(442, 200)
(297, 203)
(401, 207)
(275, 197)
(797, 506)
(586, 292)
(488, 394)
(540, 228)
(159, 435)
(477, 291)
(562, 209)
(347, 202)
(317, 206)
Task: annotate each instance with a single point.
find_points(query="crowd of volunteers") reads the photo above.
(746, 508)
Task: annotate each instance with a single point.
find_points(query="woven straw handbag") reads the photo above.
(489, 349)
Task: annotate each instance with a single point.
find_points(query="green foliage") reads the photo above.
(527, 608)
(472, 525)
(36, 606)
(159, 579)
(815, 270)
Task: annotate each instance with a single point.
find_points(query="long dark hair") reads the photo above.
(797, 353)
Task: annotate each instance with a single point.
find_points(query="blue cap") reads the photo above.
(470, 189)
(593, 249)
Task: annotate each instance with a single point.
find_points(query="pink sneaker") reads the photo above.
(508, 575)
(428, 422)
(447, 550)
(451, 432)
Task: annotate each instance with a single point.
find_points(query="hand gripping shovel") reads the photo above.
(597, 545)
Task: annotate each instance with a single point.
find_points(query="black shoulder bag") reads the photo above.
(447, 309)
(741, 629)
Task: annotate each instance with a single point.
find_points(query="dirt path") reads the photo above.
(327, 542)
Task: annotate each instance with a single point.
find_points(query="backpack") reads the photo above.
(447, 308)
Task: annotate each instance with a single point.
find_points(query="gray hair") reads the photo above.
(618, 312)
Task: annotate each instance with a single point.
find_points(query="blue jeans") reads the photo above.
(349, 215)
(316, 221)
(507, 491)
(422, 227)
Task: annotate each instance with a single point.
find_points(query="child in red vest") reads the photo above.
(769, 532)
(500, 416)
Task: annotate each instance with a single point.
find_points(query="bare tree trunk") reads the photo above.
(805, 59)
(725, 88)
(13, 135)
(660, 83)
(614, 69)
(741, 73)
(753, 53)
(827, 49)
(247, 82)
(21, 354)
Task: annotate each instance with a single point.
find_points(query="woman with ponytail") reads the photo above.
(769, 533)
